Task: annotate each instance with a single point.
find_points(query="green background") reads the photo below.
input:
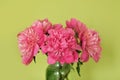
(101, 15)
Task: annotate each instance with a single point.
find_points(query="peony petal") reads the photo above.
(36, 49)
(51, 60)
(91, 44)
(84, 57)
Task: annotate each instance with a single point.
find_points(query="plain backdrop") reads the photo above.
(101, 15)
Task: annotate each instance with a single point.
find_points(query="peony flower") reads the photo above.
(61, 45)
(90, 46)
(77, 26)
(41, 27)
(44, 25)
(29, 42)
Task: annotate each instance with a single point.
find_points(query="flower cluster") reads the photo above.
(63, 46)
(69, 44)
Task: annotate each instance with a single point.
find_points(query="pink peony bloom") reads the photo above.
(61, 45)
(41, 27)
(84, 56)
(44, 25)
(29, 42)
(78, 26)
(90, 46)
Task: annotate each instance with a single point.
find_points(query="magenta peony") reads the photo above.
(41, 27)
(77, 26)
(90, 46)
(27, 41)
(61, 45)
(31, 39)
(44, 25)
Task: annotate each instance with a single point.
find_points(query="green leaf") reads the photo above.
(34, 58)
(78, 51)
(78, 67)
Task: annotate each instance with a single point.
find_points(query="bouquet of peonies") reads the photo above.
(63, 46)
